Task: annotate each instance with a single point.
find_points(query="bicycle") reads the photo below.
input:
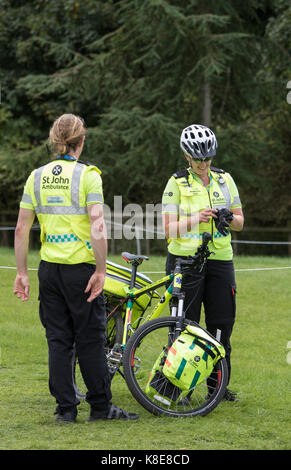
(142, 344)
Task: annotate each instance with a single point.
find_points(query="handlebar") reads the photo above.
(206, 238)
(199, 259)
(196, 262)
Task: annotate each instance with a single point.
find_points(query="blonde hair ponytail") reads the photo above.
(66, 134)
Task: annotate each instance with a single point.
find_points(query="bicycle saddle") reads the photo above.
(130, 258)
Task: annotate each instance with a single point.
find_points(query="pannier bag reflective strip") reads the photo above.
(188, 362)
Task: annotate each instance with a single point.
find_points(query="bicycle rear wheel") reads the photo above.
(114, 327)
(143, 349)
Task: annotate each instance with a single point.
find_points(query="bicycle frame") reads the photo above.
(173, 290)
(158, 309)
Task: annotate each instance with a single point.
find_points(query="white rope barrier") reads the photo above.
(13, 267)
(236, 270)
(250, 242)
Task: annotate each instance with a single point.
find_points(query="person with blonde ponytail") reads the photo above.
(66, 196)
(66, 134)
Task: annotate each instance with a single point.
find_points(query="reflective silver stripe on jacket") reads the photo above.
(75, 185)
(26, 198)
(61, 210)
(236, 201)
(225, 191)
(74, 208)
(36, 187)
(170, 208)
(94, 197)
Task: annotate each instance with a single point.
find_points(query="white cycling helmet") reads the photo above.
(198, 142)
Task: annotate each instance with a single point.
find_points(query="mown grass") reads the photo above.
(260, 420)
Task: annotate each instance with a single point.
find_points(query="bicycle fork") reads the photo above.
(179, 296)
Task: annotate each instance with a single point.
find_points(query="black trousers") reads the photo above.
(70, 320)
(215, 289)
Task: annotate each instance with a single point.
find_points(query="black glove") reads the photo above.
(228, 215)
(223, 216)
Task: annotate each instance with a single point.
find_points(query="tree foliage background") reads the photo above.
(138, 72)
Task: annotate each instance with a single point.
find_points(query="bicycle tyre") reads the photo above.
(139, 356)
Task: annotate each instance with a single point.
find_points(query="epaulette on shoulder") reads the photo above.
(90, 164)
(181, 173)
(86, 163)
(216, 170)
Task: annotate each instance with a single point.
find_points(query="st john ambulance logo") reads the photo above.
(57, 170)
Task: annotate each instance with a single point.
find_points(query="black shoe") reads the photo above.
(114, 413)
(64, 416)
(229, 396)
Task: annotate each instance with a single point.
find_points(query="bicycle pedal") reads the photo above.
(115, 358)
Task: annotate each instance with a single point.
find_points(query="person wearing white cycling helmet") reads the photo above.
(197, 199)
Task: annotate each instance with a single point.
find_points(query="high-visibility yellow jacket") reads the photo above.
(59, 193)
(185, 195)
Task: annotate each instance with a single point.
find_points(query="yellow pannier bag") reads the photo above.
(117, 282)
(180, 368)
(192, 357)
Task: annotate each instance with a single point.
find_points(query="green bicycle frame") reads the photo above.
(157, 311)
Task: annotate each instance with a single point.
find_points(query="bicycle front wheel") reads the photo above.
(143, 349)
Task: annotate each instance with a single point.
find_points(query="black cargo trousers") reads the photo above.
(215, 289)
(70, 320)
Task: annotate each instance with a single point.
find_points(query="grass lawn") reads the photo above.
(261, 369)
